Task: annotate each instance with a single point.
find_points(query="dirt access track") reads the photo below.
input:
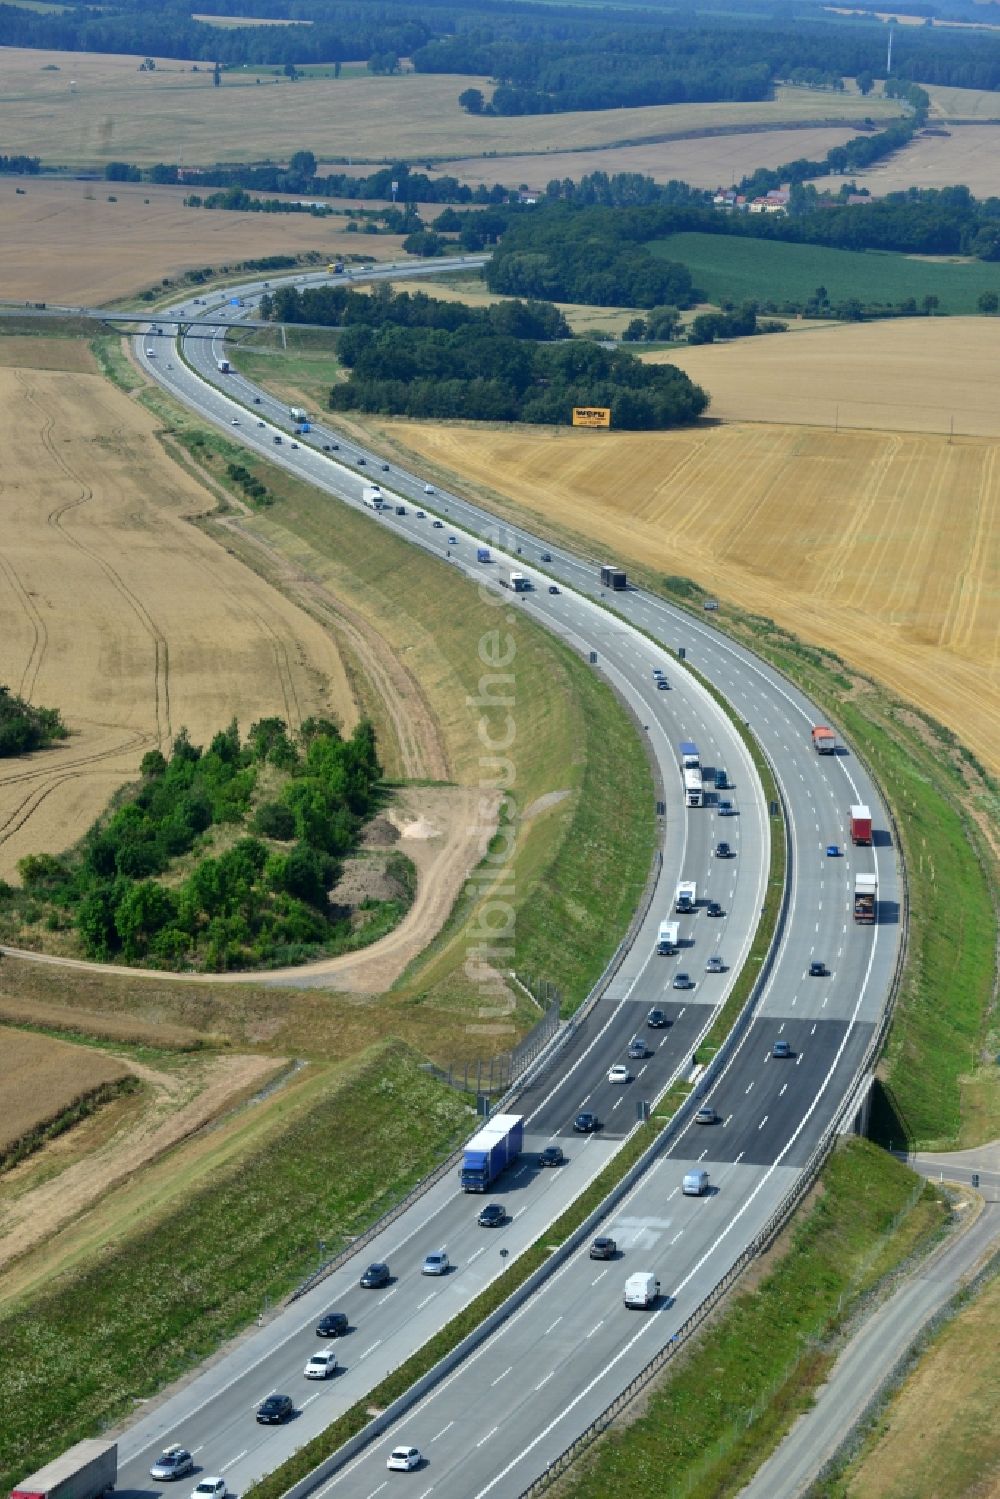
(134, 623)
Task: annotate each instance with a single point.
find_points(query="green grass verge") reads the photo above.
(164, 1297)
(938, 1084)
(579, 864)
(109, 351)
(734, 269)
(419, 1363)
(719, 1409)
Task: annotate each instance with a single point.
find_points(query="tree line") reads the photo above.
(466, 373)
(264, 900)
(340, 307)
(25, 727)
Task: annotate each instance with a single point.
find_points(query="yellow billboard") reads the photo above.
(591, 416)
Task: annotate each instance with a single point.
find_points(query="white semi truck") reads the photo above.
(693, 788)
(373, 497)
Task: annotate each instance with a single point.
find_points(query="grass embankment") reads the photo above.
(732, 268)
(165, 1296)
(957, 1451)
(299, 365)
(578, 864)
(723, 1406)
(419, 1363)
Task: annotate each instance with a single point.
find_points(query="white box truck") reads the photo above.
(686, 898)
(509, 578)
(86, 1471)
(373, 497)
(694, 790)
(223, 366)
(641, 1289)
(666, 939)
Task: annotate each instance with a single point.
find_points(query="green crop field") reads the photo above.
(731, 268)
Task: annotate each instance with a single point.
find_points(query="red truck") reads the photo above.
(861, 825)
(824, 740)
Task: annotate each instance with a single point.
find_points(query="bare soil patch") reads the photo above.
(177, 1108)
(882, 546)
(40, 1078)
(118, 611)
(65, 242)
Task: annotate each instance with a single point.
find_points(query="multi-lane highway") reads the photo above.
(556, 1363)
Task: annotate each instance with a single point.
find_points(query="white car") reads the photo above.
(235, 422)
(210, 1488)
(619, 1074)
(403, 1459)
(428, 489)
(322, 1364)
(150, 353)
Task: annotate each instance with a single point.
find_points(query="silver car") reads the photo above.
(436, 1263)
(174, 1462)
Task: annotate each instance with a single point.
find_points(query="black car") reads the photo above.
(274, 1410)
(721, 780)
(333, 1325)
(656, 1019)
(375, 1276)
(493, 1215)
(586, 1123)
(546, 557)
(552, 1155)
(817, 970)
(361, 461)
(723, 851)
(603, 1249)
(256, 400)
(553, 588)
(713, 908)
(384, 467)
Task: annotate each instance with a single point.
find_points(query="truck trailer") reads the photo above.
(491, 1151)
(666, 939)
(824, 740)
(483, 554)
(861, 825)
(686, 898)
(688, 751)
(613, 577)
(509, 578)
(86, 1471)
(693, 789)
(865, 896)
(297, 414)
(223, 366)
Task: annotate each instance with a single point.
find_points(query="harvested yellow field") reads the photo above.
(99, 107)
(40, 1078)
(969, 154)
(65, 242)
(963, 103)
(884, 547)
(702, 161)
(118, 611)
(908, 375)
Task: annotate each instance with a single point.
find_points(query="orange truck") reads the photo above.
(824, 740)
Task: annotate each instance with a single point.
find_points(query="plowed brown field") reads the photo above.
(64, 242)
(119, 612)
(882, 546)
(40, 1078)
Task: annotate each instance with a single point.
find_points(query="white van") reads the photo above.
(641, 1289)
(695, 1183)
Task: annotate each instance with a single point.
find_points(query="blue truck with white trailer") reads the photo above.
(495, 1147)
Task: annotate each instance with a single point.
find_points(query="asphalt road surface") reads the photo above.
(557, 1363)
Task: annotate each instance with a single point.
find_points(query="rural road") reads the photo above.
(871, 1357)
